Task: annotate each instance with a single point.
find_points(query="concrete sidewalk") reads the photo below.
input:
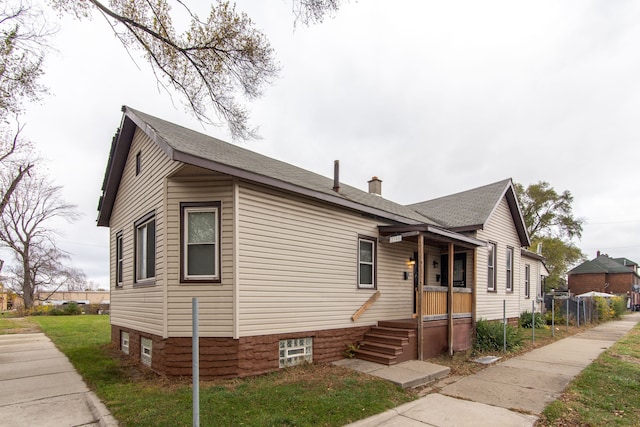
(511, 393)
(40, 387)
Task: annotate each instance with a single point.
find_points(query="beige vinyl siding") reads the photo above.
(215, 300)
(535, 273)
(525, 303)
(298, 266)
(501, 230)
(139, 307)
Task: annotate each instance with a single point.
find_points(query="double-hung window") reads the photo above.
(509, 269)
(491, 266)
(527, 281)
(200, 241)
(145, 244)
(119, 260)
(366, 263)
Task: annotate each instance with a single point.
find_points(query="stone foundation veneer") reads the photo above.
(227, 357)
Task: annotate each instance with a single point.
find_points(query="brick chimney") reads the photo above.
(375, 186)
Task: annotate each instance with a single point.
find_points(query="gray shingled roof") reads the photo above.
(626, 261)
(601, 264)
(196, 148)
(471, 209)
(467, 208)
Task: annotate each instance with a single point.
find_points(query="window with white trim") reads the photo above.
(124, 342)
(509, 269)
(119, 260)
(296, 351)
(146, 350)
(491, 266)
(527, 281)
(200, 241)
(366, 263)
(145, 256)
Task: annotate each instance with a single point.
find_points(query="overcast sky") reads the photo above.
(432, 97)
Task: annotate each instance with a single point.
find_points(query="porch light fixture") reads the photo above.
(435, 264)
(412, 261)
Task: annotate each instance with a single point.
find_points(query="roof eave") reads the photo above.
(532, 255)
(433, 230)
(514, 207)
(115, 167)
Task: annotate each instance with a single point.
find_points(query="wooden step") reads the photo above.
(398, 332)
(384, 359)
(386, 339)
(399, 324)
(378, 347)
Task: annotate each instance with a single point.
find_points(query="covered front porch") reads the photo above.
(444, 268)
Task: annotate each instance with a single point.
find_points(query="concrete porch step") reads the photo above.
(412, 373)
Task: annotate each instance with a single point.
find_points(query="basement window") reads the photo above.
(296, 351)
(145, 351)
(124, 342)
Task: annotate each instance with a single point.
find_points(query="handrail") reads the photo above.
(365, 306)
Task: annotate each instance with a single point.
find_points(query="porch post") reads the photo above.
(420, 296)
(450, 298)
(474, 295)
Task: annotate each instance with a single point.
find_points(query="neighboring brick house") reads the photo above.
(604, 274)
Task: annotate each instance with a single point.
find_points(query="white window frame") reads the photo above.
(146, 351)
(186, 209)
(372, 263)
(492, 255)
(509, 269)
(142, 256)
(527, 281)
(124, 342)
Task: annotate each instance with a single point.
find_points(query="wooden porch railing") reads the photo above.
(435, 301)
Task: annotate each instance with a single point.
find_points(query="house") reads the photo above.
(514, 275)
(290, 266)
(604, 274)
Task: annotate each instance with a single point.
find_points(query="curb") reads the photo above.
(100, 412)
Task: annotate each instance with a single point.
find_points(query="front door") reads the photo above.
(415, 279)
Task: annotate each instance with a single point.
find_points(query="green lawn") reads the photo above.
(606, 393)
(305, 396)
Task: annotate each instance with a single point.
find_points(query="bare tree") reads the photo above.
(209, 63)
(25, 228)
(311, 12)
(23, 43)
(16, 161)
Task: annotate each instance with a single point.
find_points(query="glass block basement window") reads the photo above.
(124, 342)
(296, 351)
(145, 351)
